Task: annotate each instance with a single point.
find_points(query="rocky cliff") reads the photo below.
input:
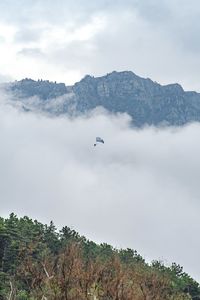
(146, 101)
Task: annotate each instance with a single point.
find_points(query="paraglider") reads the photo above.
(98, 140)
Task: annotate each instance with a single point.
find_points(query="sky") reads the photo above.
(141, 188)
(65, 40)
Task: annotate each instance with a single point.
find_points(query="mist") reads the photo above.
(138, 190)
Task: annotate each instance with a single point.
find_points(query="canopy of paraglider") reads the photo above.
(98, 140)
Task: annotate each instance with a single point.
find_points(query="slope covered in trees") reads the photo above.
(38, 262)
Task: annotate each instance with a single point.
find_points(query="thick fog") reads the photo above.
(139, 190)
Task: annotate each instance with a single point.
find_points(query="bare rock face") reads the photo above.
(146, 101)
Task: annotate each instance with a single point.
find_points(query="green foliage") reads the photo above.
(22, 295)
(36, 260)
(129, 256)
(181, 281)
(4, 285)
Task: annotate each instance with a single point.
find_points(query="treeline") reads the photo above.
(44, 89)
(38, 262)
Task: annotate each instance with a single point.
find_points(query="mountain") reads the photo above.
(146, 101)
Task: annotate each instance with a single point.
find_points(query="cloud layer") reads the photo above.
(156, 39)
(139, 190)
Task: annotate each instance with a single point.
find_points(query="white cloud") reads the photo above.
(154, 39)
(140, 189)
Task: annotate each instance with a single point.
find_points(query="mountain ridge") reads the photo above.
(146, 101)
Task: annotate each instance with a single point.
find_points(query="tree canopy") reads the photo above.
(39, 262)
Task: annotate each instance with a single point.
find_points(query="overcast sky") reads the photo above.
(141, 188)
(66, 39)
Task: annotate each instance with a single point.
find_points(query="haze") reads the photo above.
(139, 190)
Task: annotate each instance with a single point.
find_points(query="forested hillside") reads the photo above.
(39, 262)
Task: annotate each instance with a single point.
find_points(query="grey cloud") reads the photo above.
(5, 78)
(28, 35)
(126, 43)
(139, 190)
(34, 52)
(180, 25)
(154, 11)
(49, 11)
(153, 38)
(75, 55)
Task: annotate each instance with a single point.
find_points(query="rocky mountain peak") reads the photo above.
(146, 101)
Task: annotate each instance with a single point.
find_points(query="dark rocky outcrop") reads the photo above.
(146, 101)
